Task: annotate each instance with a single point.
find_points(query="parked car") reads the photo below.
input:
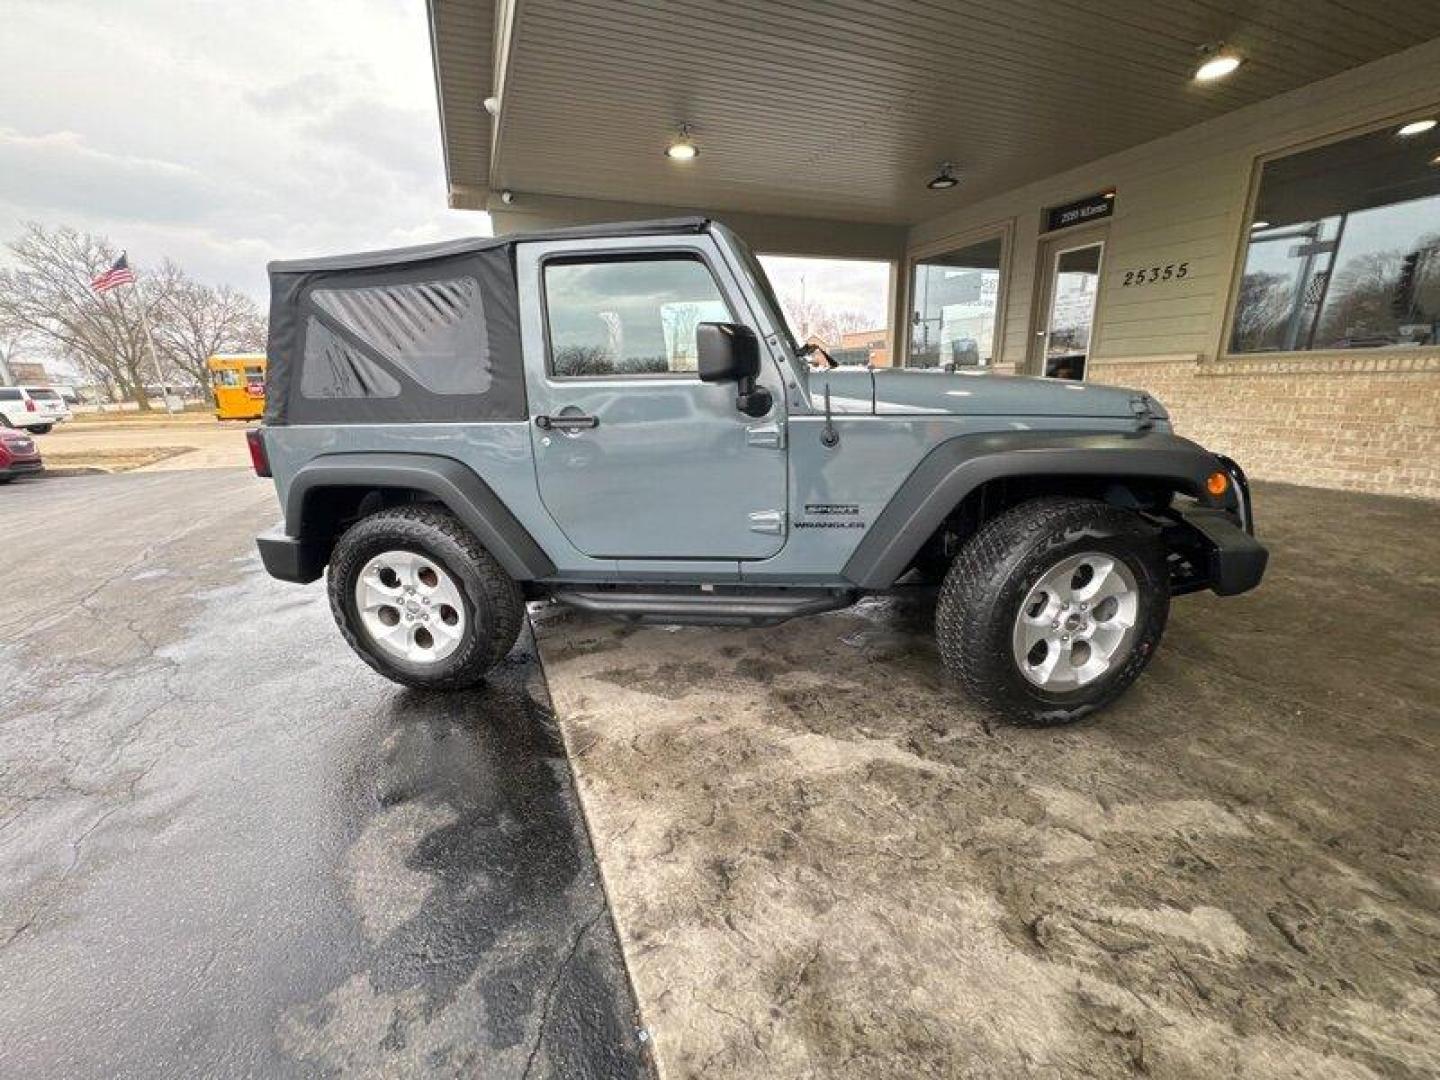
(19, 456)
(456, 428)
(34, 408)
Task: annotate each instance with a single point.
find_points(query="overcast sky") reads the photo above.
(224, 135)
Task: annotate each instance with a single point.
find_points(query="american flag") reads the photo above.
(119, 274)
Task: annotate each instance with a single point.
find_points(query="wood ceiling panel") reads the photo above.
(843, 108)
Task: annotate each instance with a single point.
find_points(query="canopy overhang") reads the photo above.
(819, 124)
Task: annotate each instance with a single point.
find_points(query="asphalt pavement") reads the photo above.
(227, 848)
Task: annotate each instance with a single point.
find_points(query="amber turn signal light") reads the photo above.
(1217, 483)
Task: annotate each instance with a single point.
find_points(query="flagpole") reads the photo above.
(150, 341)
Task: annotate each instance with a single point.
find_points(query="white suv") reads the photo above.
(36, 408)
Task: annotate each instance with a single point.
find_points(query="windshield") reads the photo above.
(755, 274)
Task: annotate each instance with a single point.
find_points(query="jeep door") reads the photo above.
(635, 457)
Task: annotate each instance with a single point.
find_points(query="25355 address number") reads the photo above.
(1149, 275)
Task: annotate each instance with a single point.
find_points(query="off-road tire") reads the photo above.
(42, 429)
(994, 572)
(494, 607)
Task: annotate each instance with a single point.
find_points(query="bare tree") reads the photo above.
(193, 321)
(573, 360)
(1260, 311)
(47, 297)
(812, 318)
(12, 340)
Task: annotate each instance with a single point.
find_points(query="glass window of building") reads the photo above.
(1344, 248)
(954, 298)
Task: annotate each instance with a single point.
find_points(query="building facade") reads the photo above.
(1262, 252)
(1313, 193)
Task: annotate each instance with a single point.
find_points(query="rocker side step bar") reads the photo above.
(698, 607)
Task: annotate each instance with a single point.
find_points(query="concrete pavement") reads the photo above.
(227, 848)
(825, 862)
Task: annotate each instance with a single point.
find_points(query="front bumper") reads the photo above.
(1230, 560)
(23, 467)
(1214, 547)
(290, 558)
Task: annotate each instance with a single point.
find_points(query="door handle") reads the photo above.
(566, 422)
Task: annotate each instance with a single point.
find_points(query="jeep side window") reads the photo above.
(629, 316)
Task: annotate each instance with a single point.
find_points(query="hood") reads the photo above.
(912, 391)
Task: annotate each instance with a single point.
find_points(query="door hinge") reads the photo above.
(770, 434)
(768, 521)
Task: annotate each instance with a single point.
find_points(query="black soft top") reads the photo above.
(424, 252)
(429, 333)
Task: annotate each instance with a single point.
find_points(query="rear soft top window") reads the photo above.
(44, 395)
(432, 330)
(433, 339)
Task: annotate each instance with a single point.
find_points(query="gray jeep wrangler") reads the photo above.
(618, 419)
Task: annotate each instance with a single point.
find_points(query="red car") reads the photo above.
(18, 455)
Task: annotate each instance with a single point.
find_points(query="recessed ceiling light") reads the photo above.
(1217, 64)
(1435, 160)
(1108, 195)
(1259, 225)
(946, 178)
(1416, 127)
(683, 148)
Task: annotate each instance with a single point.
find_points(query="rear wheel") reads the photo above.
(420, 600)
(1053, 609)
(42, 429)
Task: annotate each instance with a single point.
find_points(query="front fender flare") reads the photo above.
(956, 467)
(446, 479)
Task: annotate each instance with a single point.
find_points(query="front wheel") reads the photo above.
(1053, 608)
(420, 600)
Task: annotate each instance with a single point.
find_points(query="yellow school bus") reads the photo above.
(238, 382)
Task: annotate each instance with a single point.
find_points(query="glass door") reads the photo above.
(1071, 288)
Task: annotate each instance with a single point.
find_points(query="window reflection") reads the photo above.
(954, 300)
(1344, 249)
(628, 317)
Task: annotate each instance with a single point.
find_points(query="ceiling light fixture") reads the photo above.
(492, 105)
(683, 148)
(1216, 63)
(1435, 160)
(1415, 127)
(945, 180)
(1259, 225)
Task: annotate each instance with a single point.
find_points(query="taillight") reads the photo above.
(29, 405)
(259, 459)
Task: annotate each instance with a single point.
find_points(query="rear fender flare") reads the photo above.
(445, 479)
(957, 466)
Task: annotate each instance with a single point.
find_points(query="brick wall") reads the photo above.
(1365, 423)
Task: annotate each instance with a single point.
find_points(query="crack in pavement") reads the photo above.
(554, 987)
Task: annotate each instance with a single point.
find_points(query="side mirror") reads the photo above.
(730, 352)
(726, 352)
